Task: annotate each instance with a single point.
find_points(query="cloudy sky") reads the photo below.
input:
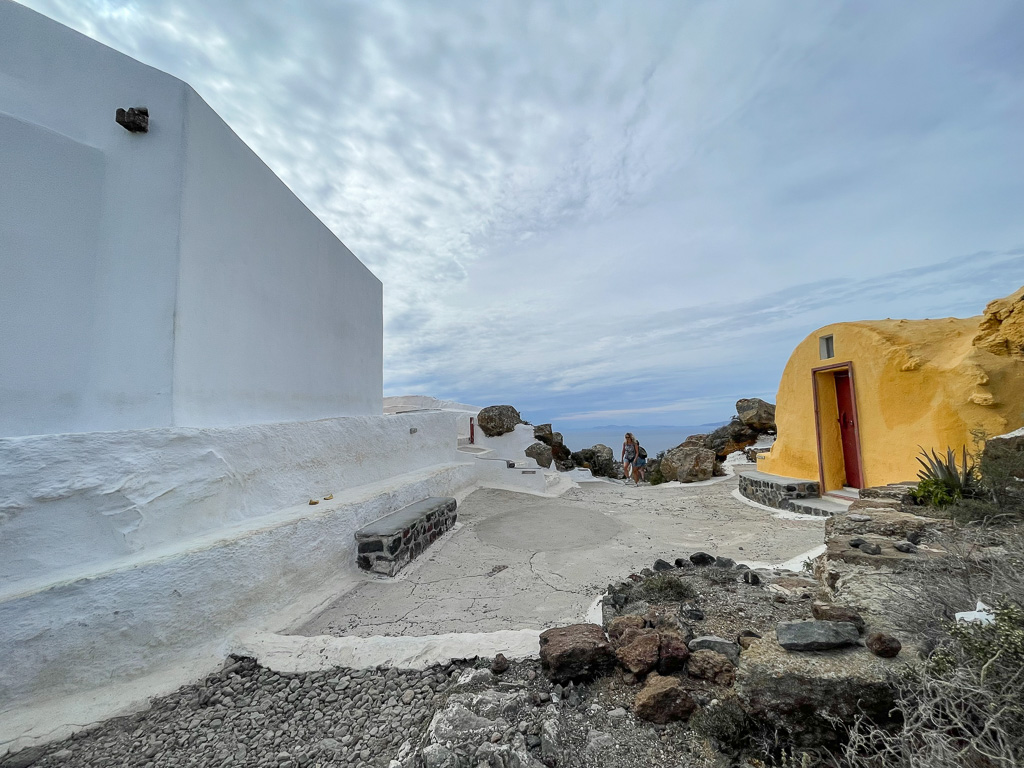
(623, 212)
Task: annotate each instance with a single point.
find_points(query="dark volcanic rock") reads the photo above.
(640, 654)
(578, 650)
(702, 558)
(734, 436)
(673, 652)
(883, 645)
(543, 433)
(662, 700)
(834, 612)
(663, 565)
(541, 453)
(712, 666)
(717, 644)
(497, 420)
(816, 635)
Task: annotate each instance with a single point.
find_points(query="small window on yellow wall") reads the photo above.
(826, 347)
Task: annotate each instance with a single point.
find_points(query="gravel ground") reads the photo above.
(247, 715)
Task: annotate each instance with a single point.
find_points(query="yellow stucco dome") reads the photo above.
(904, 384)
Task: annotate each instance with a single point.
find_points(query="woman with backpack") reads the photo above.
(633, 458)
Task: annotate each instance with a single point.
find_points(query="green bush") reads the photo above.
(654, 476)
(663, 587)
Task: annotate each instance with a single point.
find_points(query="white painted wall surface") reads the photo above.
(88, 230)
(159, 279)
(276, 319)
(70, 504)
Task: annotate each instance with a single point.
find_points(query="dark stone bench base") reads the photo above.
(387, 545)
(777, 492)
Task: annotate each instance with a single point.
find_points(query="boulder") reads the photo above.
(726, 648)
(835, 612)
(688, 464)
(497, 420)
(543, 433)
(693, 441)
(578, 650)
(816, 635)
(640, 655)
(562, 457)
(702, 558)
(800, 693)
(598, 459)
(734, 436)
(672, 652)
(663, 565)
(756, 414)
(712, 666)
(618, 626)
(881, 644)
(541, 453)
(662, 700)
(665, 617)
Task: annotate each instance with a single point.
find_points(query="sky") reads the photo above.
(623, 212)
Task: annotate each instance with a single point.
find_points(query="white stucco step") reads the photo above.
(379, 495)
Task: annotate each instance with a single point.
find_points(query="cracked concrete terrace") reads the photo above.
(517, 561)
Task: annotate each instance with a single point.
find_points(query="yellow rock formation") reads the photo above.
(915, 383)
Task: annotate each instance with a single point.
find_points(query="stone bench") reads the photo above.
(387, 545)
(775, 491)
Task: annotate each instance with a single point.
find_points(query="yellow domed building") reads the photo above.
(857, 401)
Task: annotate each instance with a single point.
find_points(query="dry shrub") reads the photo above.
(961, 706)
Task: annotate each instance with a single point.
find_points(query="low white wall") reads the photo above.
(178, 613)
(73, 503)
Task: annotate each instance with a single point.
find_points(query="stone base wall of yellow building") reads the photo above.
(917, 383)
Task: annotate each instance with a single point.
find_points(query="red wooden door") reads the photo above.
(848, 429)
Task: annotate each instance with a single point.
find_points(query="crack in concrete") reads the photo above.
(545, 581)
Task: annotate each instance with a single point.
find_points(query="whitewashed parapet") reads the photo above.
(387, 545)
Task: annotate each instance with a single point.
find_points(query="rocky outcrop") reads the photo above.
(497, 420)
(688, 464)
(544, 434)
(734, 436)
(540, 453)
(598, 459)
(804, 693)
(756, 414)
(576, 651)
(1001, 330)
(562, 457)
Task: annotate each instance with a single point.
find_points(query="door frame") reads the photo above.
(848, 367)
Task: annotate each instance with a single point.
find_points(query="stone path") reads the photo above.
(522, 562)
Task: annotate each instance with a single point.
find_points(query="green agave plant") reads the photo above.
(962, 480)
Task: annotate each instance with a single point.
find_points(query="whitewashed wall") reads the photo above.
(159, 279)
(88, 230)
(276, 319)
(70, 504)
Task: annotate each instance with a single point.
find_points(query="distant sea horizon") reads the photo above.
(654, 438)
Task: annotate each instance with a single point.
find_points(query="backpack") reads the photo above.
(642, 452)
